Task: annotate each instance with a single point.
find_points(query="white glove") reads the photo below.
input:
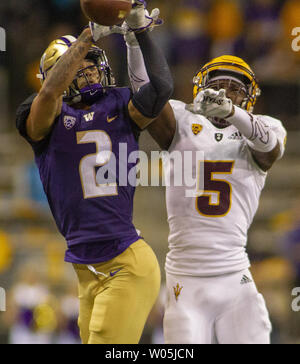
(129, 35)
(101, 31)
(211, 103)
(138, 19)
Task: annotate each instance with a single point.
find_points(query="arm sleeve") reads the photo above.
(136, 68)
(278, 129)
(22, 114)
(152, 97)
(257, 129)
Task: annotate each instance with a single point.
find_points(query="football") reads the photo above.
(106, 12)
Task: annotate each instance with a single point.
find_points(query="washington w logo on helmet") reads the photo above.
(2, 40)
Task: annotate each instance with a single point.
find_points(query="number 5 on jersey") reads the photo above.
(212, 185)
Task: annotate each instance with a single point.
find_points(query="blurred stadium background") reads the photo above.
(41, 288)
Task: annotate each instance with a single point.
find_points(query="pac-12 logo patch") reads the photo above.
(69, 122)
(177, 291)
(218, 137)
(196, 128)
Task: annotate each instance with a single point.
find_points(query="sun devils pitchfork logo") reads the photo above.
(196, 128)
(177, 291)
(2, 40)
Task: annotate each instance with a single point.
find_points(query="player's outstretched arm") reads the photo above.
(262, 140)
(265, 144)
(47, 104)
(149, 101)
(136, 66)
(163, 128)
(266, 160)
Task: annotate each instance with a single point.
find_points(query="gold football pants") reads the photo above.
(116, 299)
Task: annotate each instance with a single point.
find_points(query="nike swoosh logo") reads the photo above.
(114, 273)
(109, 120)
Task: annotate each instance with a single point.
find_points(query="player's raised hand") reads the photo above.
(101, 31)
(139, 18)
(129, 34)
(211, 103)
(155, 16)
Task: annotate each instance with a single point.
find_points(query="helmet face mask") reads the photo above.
(88, 82)
(91, 90)
(89, 75)
(235, 70)
(236, 91)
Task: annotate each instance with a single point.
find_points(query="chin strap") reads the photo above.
(87, 95)
(90, 94)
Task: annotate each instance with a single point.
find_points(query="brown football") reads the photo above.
(106, 12)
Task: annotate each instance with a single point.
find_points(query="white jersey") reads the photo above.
(208, 233)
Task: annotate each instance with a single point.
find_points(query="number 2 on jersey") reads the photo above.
(223, 189)
(88, 164)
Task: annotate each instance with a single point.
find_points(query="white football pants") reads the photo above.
(215, 310)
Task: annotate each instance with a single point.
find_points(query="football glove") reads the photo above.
(101, 31)
(129, 35)
(138, 19)
(211, 103)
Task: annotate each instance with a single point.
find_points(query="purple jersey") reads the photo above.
(94, 218)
